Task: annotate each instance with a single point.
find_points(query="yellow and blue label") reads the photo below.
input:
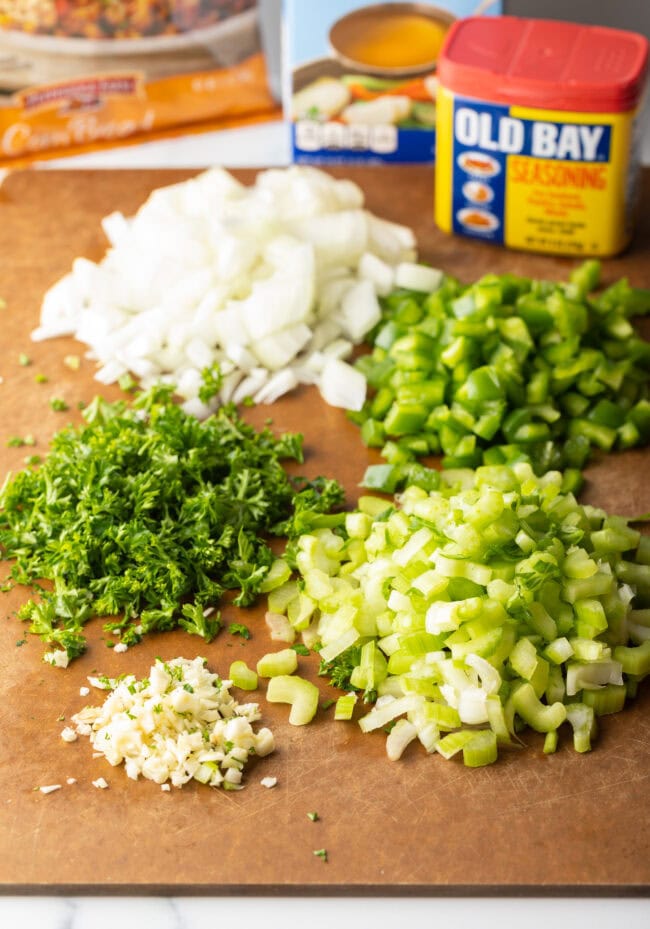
(537, 180)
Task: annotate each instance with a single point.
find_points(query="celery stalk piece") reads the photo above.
(590, 675)
(279, 663)
(481, 749)
(385, 713)
(302, 695)
(606, 700)
(450, 745)
(344, 707)
(538, 716)
(550, 742)
(583, 721)
(634, 659)
(278, 574)
(401, 735)
(242, 676)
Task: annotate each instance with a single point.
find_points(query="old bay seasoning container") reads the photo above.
(538, 134)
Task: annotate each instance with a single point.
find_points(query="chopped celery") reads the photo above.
(468, 611)
(481, 749)
(242, 676)
(277, 663)
(302, 695)
(344, 707)
(583, 721)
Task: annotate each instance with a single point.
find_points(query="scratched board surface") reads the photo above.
(530, 823)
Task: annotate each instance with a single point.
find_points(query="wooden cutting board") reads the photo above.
(529, 824)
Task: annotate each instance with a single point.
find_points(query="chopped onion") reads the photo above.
(258, 280)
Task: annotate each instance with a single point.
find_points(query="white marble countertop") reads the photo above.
(319, 912)
(252, 146)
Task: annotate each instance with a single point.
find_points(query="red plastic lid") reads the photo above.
(544, 64)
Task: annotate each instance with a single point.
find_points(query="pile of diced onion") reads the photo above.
(179, 723)
(274, 282)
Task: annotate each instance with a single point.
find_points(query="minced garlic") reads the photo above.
(179, 723)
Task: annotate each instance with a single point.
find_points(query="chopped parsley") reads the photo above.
(321, 853)
(212, 382)
(58, 404)
(301, 649)
(145, 513)
(314, 818)
(239, 629)
(340, 668)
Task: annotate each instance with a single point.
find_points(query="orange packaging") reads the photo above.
(87, 73)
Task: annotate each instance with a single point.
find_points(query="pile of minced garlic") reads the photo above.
(179, 723)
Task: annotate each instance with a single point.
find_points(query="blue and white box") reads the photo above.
(360, 78)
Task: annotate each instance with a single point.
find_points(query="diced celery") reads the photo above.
(278, 574)
(578, 564)
(450, 745)
(590, 615)
(591, 675)
(302, 695)
(434, 610)
(337, 646)
(550, 742)
(588, 587)
(280, 597)
(373, 506)
(401, 735)
(497, 719)
(559, 650)
(542, 622)
(358, 525)
(587, 649)
(481, 749)
(371, 670)
(540, 717)
(381, 715)
(344, 707)
(524, 658)
(583, 722)
(279, 663)
(317, 586)
(555, 687)
(607, 699)
(242, 676)
(483, 645)
(637, 575)
(634, 659)
(300, 610)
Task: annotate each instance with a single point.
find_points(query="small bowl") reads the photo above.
(346, 32)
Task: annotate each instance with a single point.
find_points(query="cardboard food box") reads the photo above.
(360, 78)
(80, 73)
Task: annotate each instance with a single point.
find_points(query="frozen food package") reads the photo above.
(86, 73)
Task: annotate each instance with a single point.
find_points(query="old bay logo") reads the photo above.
(493, 130)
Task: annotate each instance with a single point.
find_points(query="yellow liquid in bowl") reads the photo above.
(402, 40)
